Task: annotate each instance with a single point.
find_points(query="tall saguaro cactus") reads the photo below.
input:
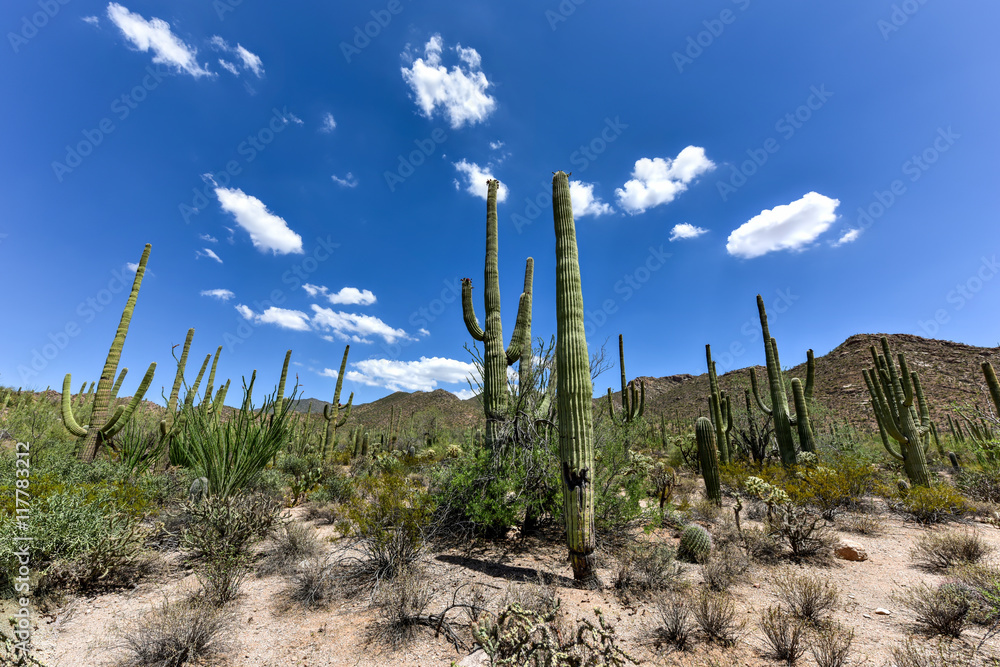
(719, 403)
(705, 436)
(103, 423)
(495, 357)
(782, 420)
(574, 390)
(331, 412)
(633, 401)
(892, 393)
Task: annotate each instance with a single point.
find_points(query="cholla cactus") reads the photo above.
(768, 493)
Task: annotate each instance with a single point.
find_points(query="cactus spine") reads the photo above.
(495, 357)
(720, 409)
(892, 393)
(633, 401)
(104, 425)
(782, 420)
(573, 391)
(705, 435)
(331, 411)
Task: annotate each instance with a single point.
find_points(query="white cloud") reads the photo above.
(328, 124)
(284, 318)
(295, 119)
(92, 20)
(686, 230)
(251, 61)
(354, 327)
(422, 375)
(229, 67)
(220, 294)
(584, 201)
(348, 182)
(786, 227)
(267, 230)
(465, 394)
(208, 237)
(496, 145)
(350, 296)
(209, 253)
(132, 266)
(155, 35)
(849, 236)
(659, 180)
(475, 180)
(313, 290)
(460, 93)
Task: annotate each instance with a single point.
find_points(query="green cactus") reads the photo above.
(705, 436)
(892, 394)
(720, 410)
(495, 357)
(525, 381)
(104, 424)
(574, 391)
(994, 386)
(281, 383)
(172, 425)
(332, 411)
(696, 542)
(781, 419)
(364, 446)
(633, 401)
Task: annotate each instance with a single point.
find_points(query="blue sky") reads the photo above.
(311, 175)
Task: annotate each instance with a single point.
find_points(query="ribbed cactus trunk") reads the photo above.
(806, 442)
(779, 400)
(705, 435)
(331, 412)
(574, 392)
(994, 386)
(719, 409)
(525, 380)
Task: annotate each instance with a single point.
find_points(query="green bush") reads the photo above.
(980, 485)
(932, 504)
(622, 476)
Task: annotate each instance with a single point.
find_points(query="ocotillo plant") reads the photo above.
(104, 425)
(782, 420)
(892, 395)
(720, 409)
(573, 391)
(633, 401)
(332, 411)
(171, 426)
(705, 435)
(495, 357)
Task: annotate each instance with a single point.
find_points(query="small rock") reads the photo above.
(850, 551)
(883, 612)
(867, 615)
(476, 659)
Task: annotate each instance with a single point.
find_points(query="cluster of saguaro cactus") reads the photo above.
(721, 411)
(103, 423)
(782, 420)
(633, 400)
(707, 456)
(892, 394)
(495, 357)
(332, 411)
(573, 392)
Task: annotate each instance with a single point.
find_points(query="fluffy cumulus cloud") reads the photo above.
(475, 180)
(659, 180)
(220, 294)
(849, 236)
(354, 327)
(155, 35)
(584, 201)
(787, 227)
(422, 375)
(351, 296)
(267, 230)
(686, 230)
(283, 318)
(460, 93)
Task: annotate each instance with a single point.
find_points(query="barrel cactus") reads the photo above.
(696, 544)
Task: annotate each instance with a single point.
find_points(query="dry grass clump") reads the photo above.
(646, 568)
(313, 583)
(944, 551)
(864, 524)
(716, 614)
(808, 598)
(674, 620)
(784, 635)
(942, 610)
(909, 655)
(174, 634)
(725, 567)
(401, 605)
(831, 647)
(292, 544)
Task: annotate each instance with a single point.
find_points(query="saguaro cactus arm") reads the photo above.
(469, 312)
(633, 400)
(124, 412)
(69, 420)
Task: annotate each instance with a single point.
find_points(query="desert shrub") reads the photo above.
(980, 485)
(334, 486)
(621, 480)
(401, 606)
(716, 615)
(806, 535)
(176, 634)
(982, 583)
(784, 635)
(947, 550)
(674, 617)
(292, 543)
(841, 482)
(933, 504)
(761, 546)
(831, 647)
(725, 567)
(808, 598)
(663, 479)
(942, 610)
(864, 524)
(646, 567)
(312, 583)
(909, 654)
